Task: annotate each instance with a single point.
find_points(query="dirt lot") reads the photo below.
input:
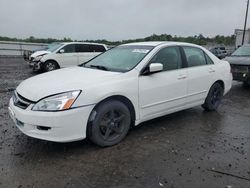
(179, 150)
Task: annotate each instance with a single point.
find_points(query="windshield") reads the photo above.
(242, 51)
(53, 47)
(120, 59)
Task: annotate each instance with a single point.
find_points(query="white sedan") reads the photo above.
(129, 84)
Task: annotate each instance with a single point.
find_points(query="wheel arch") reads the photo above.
(221, 83)
(208, 105)
(122, 99)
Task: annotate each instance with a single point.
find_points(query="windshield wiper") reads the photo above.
(99, 67)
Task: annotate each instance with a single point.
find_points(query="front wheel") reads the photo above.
(214, 97)
(50, 66)
(111, 123)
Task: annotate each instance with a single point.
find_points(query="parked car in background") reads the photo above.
(66, 55)
(120, 88)
(37, 54)
(29, 55)
(219, 52)
(240, 64)
(222, 49)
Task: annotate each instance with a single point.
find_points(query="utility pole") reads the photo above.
(244, 31)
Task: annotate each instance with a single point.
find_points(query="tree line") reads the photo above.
(196, 39)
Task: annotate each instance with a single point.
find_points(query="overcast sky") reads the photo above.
(119, 19)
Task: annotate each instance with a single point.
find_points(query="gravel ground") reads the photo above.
(191, 148)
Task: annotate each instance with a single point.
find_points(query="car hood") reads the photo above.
(63, 80)
(240, 60)
(38, 53)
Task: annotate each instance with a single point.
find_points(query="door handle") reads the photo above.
(181, 77)
(211, 70)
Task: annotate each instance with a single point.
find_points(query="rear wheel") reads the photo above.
(111, 123)
(50, 66)
(214, 97)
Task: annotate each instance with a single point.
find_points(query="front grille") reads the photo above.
(239, 68)
(20, 101)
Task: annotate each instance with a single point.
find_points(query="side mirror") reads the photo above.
(61, 51)
(155, 67)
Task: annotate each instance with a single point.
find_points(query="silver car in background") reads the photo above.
(240, 64)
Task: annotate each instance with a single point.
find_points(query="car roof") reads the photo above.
(144, 43)
(82, 43)
(246, 45)
(157, 43)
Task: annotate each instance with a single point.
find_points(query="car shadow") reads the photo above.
(172, 124)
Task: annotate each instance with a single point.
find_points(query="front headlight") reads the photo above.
(57, 102)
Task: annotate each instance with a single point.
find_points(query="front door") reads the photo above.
(68, 57)
(163, 92)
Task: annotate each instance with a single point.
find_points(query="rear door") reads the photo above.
(201, 71)
(83, 53)
(96, 49)
(88, 51)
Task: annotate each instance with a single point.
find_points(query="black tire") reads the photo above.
(36, 70)
(246, 84)
(110, 125)
(50, 66)
(214, 97)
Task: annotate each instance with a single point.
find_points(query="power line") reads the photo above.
(244, 31)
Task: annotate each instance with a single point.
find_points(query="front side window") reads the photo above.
(120, 59)
(195, 56)
(169, 57)
(70, 48)
(242, 51)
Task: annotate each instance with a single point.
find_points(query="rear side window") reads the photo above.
(70, 48)
(81, 48)
(208, 59)
(195, 56)
(169, 57)
(97, 48)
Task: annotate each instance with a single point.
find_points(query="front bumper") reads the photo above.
(31, 63)
(36, 65)
(241, 73)
(244, 77)
(64, 126)
(241, 76)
